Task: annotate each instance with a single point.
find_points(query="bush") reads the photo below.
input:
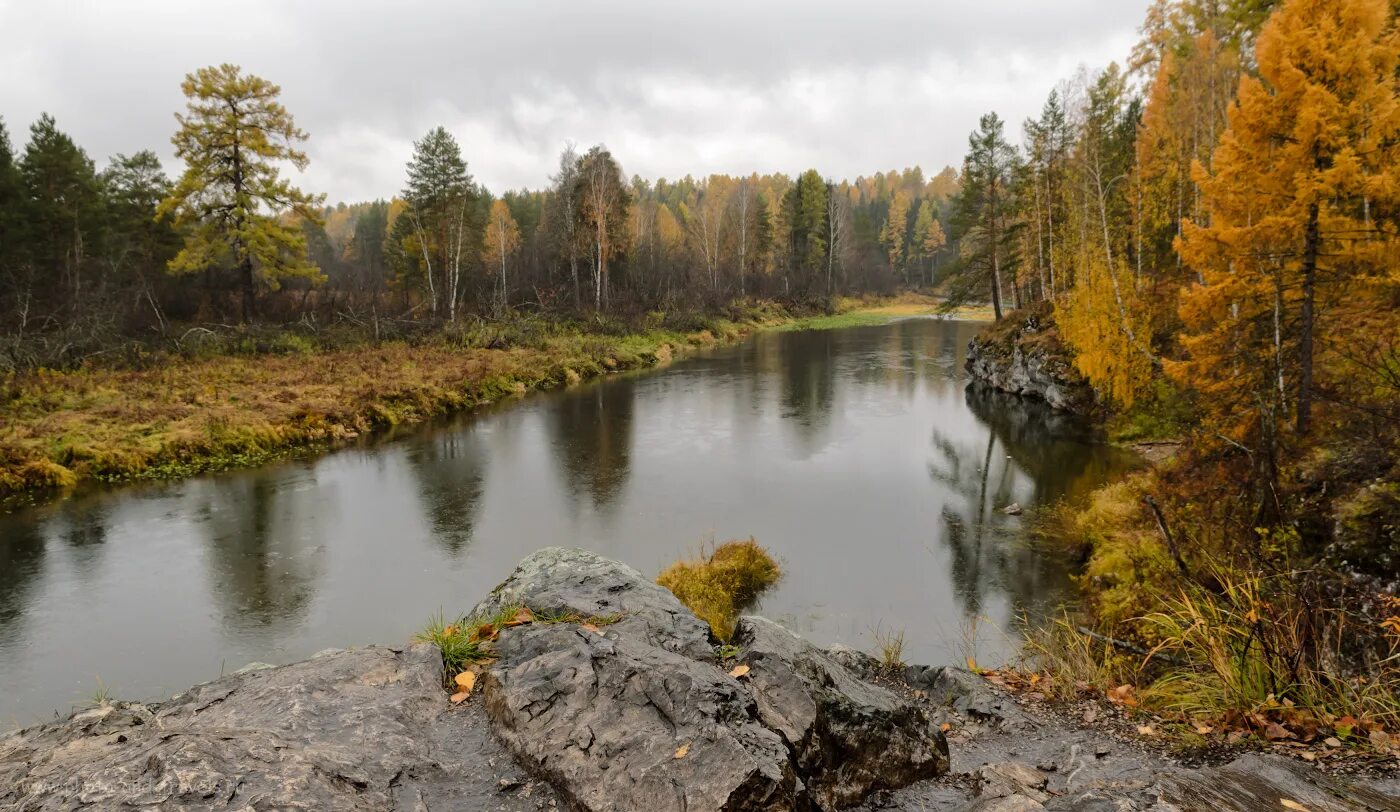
(719, 586)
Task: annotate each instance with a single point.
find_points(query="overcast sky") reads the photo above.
(847, 87)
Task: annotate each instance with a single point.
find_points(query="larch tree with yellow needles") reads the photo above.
(232, 199)
(501, 242)
(1297, 250)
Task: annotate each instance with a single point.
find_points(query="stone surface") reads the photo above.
(1023, 355)
(1264, 782)
(964, 692)
(363, 729)
(848, 737)
(560, 580)
(1007, 778)
(616, 723)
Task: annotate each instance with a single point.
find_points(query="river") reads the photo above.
(860, 457)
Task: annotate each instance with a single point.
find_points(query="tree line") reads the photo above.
(126, 250)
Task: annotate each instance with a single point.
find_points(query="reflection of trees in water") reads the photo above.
(1023, 438)
(592, 432)
(22, 555)
(808, 385)
(264, 571)
(85, 532)
(1056, 450)
(451, 472)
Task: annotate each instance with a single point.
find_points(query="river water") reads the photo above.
(862, 458)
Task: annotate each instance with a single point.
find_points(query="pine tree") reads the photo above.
(12, 220)
(64, 212)
(984, 228)
(231, 200)
(1297, 250)
(501, 242)
(441, 204)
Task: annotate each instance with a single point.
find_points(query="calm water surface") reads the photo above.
(862, 458)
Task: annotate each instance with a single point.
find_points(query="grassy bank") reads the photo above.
(183, 416)
(173, 416)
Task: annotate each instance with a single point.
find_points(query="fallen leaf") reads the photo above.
(485, 631)
(682, 750)
(739, 671)
(450, 630)
(1294, 805)
(460, 697)
(466, 681)
(1274, 731)
(1309, 755)
(1332, 741)
(522, 617)
(1091, 715)
(1146, 730)
(591, 628)
(1122, 695)
(945, 727)
(1204, 729)
(1380, 738)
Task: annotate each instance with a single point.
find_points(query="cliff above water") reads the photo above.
(1024, 355)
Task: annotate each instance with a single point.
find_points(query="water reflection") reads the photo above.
(262, 551)
(451, 474)
(859, 457)
(593, 435)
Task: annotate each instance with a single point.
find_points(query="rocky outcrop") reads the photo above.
(361, 729)
(847, 737)
(638, 714)
(634, 710)
(1023, 354)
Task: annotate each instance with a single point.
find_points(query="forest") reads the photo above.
(1209, 233)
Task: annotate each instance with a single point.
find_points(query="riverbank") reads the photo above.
(643, 712)
(176, 416)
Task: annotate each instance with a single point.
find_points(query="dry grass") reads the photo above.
(191, 415)
(718, 586)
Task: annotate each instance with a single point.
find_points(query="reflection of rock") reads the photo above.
(1023, 354)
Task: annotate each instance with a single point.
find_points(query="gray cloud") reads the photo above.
(724, 86)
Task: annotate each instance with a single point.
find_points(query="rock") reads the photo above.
(965, 692)
(1011, 803)
(858, 662)
(1013, 509)
(848, 737)
(1023, 355)
(365, 729)
(1009, 778)
(1260, 782)
(616, 722)
(558, 580)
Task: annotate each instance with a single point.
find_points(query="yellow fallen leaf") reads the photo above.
(466, 681)
(1146, 730)
(1203, 729)
(682, 750)
(945, 727)
(590, 627)
(1294, 805)
(521, 617)
(739, 671)
(460, 697)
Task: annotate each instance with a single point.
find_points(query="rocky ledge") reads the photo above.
(1023, 354)
(639, 714)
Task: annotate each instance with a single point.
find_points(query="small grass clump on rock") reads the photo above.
(466, 641)
(718, 586)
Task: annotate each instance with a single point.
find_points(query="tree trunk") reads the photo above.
(1305, 335)
(245, 278)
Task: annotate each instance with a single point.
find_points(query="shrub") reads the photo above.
(719, 586)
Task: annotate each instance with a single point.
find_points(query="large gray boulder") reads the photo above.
(614, 723)
(848, 737)
(562, 581)
(638, 714)
(363, 729)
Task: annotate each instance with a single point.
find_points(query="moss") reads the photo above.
(719, 586)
